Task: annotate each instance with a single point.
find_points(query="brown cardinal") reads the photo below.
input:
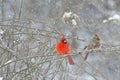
(92, 44)
(62, 47)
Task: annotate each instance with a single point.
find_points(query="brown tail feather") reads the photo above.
(86, 56)
(70, 60)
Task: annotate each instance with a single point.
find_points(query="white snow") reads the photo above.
(8, 62)
(114, 17)
(74, 22)
(1, 78)
(1, 31)
(67, 14)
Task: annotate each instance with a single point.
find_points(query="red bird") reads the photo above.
(92, 44)
(63, 47)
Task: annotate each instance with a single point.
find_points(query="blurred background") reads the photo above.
(29, 30)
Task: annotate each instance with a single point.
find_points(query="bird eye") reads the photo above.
(64, 41)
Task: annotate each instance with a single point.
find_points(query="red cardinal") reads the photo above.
(63, 47)
(92, 44)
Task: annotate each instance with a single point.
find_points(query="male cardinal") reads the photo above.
(62, 47)
(92, 44)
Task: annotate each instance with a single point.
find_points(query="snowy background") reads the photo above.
(29, 30)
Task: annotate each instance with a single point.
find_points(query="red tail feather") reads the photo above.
(70, 60)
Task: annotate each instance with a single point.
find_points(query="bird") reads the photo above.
(92, 44)
(63, 47)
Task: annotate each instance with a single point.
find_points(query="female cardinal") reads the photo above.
(92, 44)
(63, 47)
